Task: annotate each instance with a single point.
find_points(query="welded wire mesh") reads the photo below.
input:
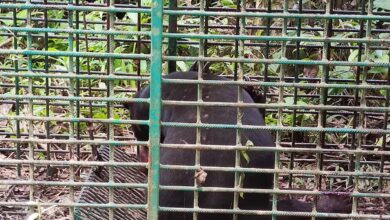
(66, 67)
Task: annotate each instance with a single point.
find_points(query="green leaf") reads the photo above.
(248, 144)
(182, 66)
(228, 3)
(144, 66)
(353, 56)
(245, 155)
(22, 14)
(241, 184)
(133, 17)
(383, 4)
(102, 85)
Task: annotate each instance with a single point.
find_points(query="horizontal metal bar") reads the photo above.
(215, 43)
(73, 120)
(277, 213)
(69, 7)
(211, 26)
(275, 191)
(278, 106)
(200, 82)
(203, 104)
(189, 188)
(75, 54)
(72, 76)
(56, 103)
(66, 88)
(214, 8)
(146, 76)
(277, 15)
(74, 31)
(70, 98)
(285, 146)
(277, 84)
(73, 163)
(277, 128)
(276, 149)
(72, 204)
(277, 61)
(74, 142)
(279, 171)
(278, 38)
(130, 91)
(268, 111)
(71, 183)
(283, 160)
(290, 10)
(81, 72)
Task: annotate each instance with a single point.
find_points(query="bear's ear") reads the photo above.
(127, 105)
(206, 67)
(194, 67)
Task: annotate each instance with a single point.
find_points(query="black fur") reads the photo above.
(180, 135)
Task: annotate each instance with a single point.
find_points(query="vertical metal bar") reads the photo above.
(110, 109)
(198, 108)
(241, 49)
(237, 32)
(356, 92)
(71, 109)
(363, 104)
(30, 109)
(155, 109)
(138, 45)
(323, 97)
(172, 42)
(90, 125)
(47, 90)
(267, 44)
(280, 110)
(17, 90)
(296, 80)
(78, 128)
(206, 28)
(384, 137)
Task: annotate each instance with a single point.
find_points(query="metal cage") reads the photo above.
(67, 66)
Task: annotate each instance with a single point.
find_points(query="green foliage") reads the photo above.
(58, 42)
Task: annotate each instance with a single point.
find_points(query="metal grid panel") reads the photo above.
(315, 139)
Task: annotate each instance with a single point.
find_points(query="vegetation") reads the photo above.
(132, 44)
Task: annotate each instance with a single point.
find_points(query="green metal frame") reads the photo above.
(156, 57)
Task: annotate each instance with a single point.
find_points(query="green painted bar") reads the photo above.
(74, 31)
(111, 76)
(277, 128)
(260, 170)
(278, 61)
(76, 119)
(70, 98)
(59, 141)
(71, 184)
(69, 163)
(278, 84)
(277, 38)
(67, 7)
(155, 110)
(72, 76)
(280, 149)
(68, 204)
(282, 213)
(75, 54)
(276, 15)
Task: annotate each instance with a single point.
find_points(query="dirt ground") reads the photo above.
(61, 194)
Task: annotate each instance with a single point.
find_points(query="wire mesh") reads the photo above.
(66, 68)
